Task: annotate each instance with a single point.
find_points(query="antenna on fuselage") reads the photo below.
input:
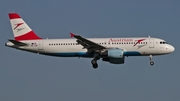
(149, 36)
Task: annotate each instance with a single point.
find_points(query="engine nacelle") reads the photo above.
(115, 53)
(114, 56)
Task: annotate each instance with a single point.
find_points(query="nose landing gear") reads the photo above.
(151, 61)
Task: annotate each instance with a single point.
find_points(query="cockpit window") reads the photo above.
(163, 42)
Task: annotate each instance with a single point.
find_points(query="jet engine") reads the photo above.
(114, 56)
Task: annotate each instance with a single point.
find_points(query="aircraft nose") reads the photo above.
(171, 48)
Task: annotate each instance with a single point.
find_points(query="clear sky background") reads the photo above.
(31, 77)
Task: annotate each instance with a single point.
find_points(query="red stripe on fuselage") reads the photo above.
(28, 36)
(138, 41)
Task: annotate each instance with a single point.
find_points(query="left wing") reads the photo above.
(87, 43)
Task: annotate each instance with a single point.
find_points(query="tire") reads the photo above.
(151, 63)
(95, 66)
(94, 63)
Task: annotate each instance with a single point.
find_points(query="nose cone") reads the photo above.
(166, 49)
(171, 48)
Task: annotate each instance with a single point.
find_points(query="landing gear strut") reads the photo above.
(151, 61)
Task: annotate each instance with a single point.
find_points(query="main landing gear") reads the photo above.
(94, 63)
(151, 61)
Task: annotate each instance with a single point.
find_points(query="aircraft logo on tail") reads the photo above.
(17, 25)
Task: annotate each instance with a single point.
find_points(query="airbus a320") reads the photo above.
(112, 50)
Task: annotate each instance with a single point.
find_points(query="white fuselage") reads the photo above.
(142, 46)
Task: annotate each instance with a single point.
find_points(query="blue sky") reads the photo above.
(31, 77)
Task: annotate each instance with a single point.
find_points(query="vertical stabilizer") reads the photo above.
(20, 29)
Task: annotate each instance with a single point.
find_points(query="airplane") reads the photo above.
(112, 50)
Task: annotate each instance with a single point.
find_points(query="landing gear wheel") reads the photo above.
(94, 63)
(151, 63)
(95, 66)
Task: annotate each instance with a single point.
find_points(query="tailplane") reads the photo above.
(17, 43)
(20, 29)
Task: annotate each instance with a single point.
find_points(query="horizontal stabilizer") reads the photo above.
(18, 43)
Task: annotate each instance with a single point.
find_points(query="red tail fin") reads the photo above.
(20, 29)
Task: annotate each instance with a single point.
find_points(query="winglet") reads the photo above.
(72, 35)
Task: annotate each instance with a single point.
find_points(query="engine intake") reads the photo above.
(115, 53)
